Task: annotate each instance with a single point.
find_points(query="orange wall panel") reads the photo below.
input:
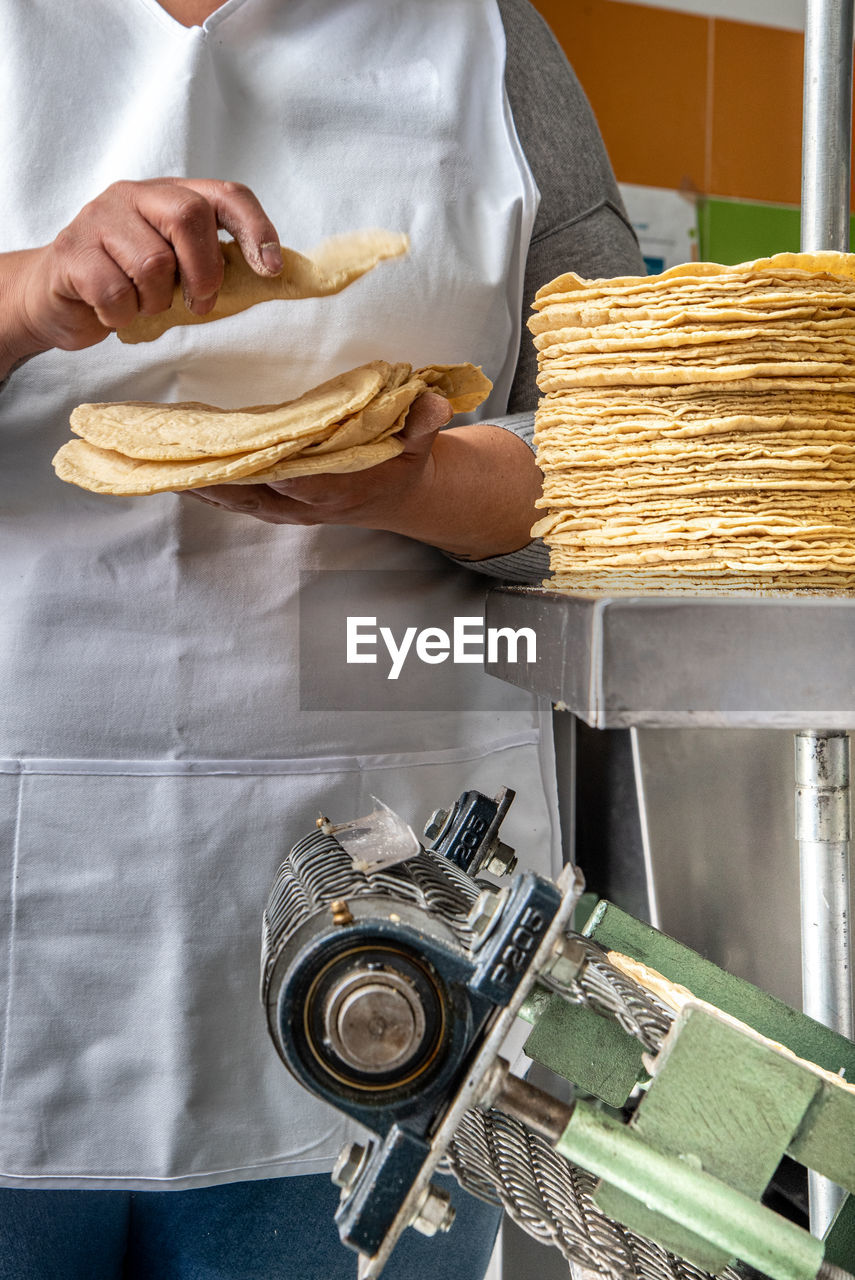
(688, 102)
(756, 147)
(650, 104)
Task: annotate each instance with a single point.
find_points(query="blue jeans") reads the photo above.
(277, 1229)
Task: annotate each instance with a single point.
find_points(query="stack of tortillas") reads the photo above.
(697, 429)
(345, 424)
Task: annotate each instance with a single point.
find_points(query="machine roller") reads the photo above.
(390, 988)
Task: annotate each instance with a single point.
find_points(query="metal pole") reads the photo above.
(822, 830)
(827, 125)
(822, 759)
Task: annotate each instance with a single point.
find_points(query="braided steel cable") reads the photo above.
(492, 1155)
(497, 1158)
(605, 989)
(319, 871)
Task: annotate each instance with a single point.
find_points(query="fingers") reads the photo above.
(125, 250)
(187, 214)
(259, 501)
(123, 269)
(96, 279)
(159, 230)
(239, 212)
(149, 261)
(427, 415)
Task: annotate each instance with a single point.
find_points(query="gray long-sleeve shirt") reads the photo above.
(581, 223)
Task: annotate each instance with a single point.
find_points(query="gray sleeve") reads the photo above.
(531, 563)
(581, 223)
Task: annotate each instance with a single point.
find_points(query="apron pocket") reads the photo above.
(137, 1052)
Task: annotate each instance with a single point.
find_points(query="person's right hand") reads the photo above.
(122, 255)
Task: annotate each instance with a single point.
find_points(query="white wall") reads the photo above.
(788, 14)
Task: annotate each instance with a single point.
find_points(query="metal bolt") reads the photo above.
(484, 912)
(435, 1212)
(542, 1112)
(348, 1164)
(435, 823)
(501, 861)
(568, 958)
(374, 1019)
(341, 912)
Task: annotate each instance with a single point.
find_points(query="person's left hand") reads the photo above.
(372, 498)
(471, 491)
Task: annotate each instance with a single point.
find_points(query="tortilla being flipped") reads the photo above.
(329, 268)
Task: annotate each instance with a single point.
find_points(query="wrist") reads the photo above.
(18, 341)
(475, 498)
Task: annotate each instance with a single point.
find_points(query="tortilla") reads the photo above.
(329, 268)
(464, 386)
(348, 423)
(383, 415)
(193, 431)
(358, 458)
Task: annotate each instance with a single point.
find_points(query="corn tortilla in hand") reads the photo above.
(329, 268)
(348, 423)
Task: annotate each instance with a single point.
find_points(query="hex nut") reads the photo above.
(484, 912)
(435, 823)
(347, 1165)
(435, 1212)
(501, 861)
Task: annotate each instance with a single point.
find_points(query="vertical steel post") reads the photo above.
(827, 125)
(822, 830)
(822, 759)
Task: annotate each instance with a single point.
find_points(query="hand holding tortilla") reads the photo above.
(349, 423)
(144, 256)
(396, 496)
(330, 267)
(121, 255)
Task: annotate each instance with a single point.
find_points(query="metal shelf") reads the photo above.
(666, 661)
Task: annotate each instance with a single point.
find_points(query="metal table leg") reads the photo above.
(822, 830)
(822, 760)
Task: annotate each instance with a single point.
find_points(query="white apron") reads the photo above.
(155, 760)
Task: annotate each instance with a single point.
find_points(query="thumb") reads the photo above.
(427, 414)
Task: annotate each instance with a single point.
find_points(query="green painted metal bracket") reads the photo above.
(583, 911)
(617, 931)
(826, 1140)
(581, 1046)
(728, 1102)
(723, 1107)
(731, 1223)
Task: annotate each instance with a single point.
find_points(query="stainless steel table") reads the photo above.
(671, 661)
(658, 661)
